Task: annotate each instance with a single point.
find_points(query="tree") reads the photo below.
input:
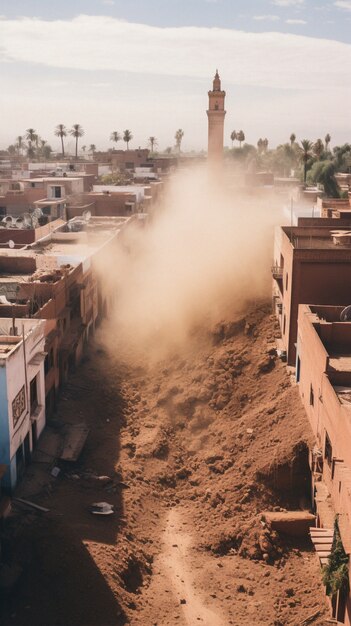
(60, 131)
(260, 146)
(179, 137)
(31, 137)
(76, 132)
(152, 141)
(115, 136)
(305, 155)
(240, 137)
(318, 149)
(233, 136)
(12, 150)
(342, 157)
(292, 139)
(265, 144)
(127, 137)
(327, 140)
(323, 172)
(336, 571)
(45, 150)
(92, 149)
(19, 144)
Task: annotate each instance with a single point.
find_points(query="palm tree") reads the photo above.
(265, 144)
(178, 137)
(233, 136)
(19, 144)
(240, 137)
(84, 149)
(76, 132)
(115, 136)
(31, 137)
(327, 140)
(318, 149)
(127, 137)
(292, 139)
(42, 150)
(305, 155)
(60, 131)
(92, 149)
(152, 141)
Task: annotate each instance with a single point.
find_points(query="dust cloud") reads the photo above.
(204, 255)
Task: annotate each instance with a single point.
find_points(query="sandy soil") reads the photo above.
(189, 452)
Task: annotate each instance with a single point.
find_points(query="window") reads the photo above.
(328, 450)
(311, 396)
(57, 192)
(2, 211)
(33, 394)
(286, 281)
(284, 324)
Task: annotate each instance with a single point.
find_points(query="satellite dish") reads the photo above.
(345, 315)
(11, 244)
(35, 217)
(19, 222)
(27, 220)
(8, 221)
(86, 215)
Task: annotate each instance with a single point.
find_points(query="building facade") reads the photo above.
(312, 265)
(22, 394)
(323, 373)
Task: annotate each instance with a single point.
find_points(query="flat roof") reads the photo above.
(9, 342)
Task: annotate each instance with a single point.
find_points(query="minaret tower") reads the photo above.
(216, 114)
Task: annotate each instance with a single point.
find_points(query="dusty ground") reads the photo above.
(196, 449)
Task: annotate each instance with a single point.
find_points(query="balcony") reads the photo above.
(277, 272)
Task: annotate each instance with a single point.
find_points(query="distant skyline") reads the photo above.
(147, 66)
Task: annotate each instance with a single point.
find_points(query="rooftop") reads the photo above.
(11, 335)
(319, 238)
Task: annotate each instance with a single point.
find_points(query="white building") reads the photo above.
(22, 394)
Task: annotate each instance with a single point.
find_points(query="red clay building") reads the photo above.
(324, 376)
(312, 265)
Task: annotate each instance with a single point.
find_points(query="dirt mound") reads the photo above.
(196, 447)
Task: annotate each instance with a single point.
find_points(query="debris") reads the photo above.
(55, 471)
(31, 504)
(101, 508)
(75, 438)
(310, 618)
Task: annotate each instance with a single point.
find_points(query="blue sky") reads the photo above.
(147, 65)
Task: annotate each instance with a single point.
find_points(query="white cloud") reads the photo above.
(104, 43)
(108, 2)
(343, 4)
(295, 21)
(160, 77)
(268, 18)
(287, 3)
